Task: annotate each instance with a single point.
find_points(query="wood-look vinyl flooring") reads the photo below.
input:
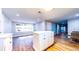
(64, 44)
(61, 44)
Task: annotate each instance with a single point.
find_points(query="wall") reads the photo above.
(39, 26)
(45, 26)
(73, 25)
(5, 23)
(1, 21)
(49, 26)
(13, 27)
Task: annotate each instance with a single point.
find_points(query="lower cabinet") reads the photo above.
(42, 40)
(1, 44)
(5, 42)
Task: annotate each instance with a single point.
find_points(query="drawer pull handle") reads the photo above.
(10, 42)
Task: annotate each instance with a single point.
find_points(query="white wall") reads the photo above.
(48, 26)
(73, 25)
(5, 23)
(40, 26)
(43, 26)
(1, 21)
(13, 27)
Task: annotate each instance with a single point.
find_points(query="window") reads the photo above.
(24, 27)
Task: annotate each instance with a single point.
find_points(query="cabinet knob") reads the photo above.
(10, 42)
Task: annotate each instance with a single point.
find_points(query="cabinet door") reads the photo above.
(36, 43)
(42, 43)
(8, 44)
(52, 36)
(49, 38)
(1, 44)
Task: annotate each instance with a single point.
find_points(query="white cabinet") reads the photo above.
(5, 42)
(42, 40)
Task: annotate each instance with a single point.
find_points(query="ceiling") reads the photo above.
(39, 14)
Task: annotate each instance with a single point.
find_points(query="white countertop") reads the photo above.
(5, 35)
(20, 34)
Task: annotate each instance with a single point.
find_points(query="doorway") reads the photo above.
(62, 28)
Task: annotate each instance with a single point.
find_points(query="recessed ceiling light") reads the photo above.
(17, 14)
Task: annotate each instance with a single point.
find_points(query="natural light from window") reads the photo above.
(24, 27)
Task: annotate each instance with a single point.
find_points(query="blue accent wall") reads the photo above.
(54, 27)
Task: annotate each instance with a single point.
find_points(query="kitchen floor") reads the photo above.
(23, 44)
(64, 44)
(61, 44)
